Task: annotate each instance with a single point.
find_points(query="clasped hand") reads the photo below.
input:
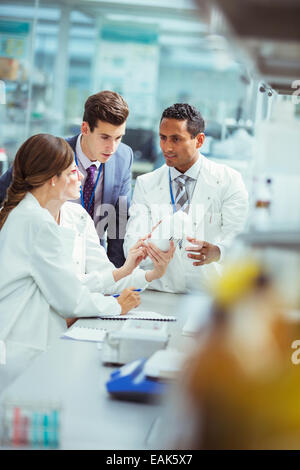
(159, 258)
(136, 255)
(203, 252)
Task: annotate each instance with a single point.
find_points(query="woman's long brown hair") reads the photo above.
(39, 158)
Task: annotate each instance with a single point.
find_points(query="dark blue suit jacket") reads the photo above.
(116, 193)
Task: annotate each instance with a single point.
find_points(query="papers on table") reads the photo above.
(94, 332)
(80, 333)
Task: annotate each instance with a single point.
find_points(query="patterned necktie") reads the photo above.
(181, 198)
(88, 190)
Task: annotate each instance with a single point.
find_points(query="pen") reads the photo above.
(134, 290)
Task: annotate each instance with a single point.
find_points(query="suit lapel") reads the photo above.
(72, 141)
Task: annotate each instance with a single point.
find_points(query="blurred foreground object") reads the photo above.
(31, 425)
(9, 68)
(3, 161)
(241, 385)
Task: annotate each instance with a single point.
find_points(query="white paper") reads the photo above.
(85, 334)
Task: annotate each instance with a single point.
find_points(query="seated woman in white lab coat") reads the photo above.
(91, 262)
(38, 286)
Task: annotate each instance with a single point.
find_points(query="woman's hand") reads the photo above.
(70, 321)
(160, 260)
(128, 300)
(136, 254)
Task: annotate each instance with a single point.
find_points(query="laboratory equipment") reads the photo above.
(134, 340)
(130, 383)
(277, 155)
(31, 425)
(164, 364)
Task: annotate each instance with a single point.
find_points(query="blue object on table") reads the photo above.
(134, 290)
(130, 383)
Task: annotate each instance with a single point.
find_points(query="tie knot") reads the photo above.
(91, 170)
(182, 179)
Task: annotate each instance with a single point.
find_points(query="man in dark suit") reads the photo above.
(106, 165)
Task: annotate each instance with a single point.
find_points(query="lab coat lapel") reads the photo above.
(203, 195)
(159, 196)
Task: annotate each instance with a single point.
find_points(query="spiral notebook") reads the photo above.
(94, 332)
(140, 315)
(83, 333)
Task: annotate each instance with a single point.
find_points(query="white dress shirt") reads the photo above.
(83, 164)
(192, 173)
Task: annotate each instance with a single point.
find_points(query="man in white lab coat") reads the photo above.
(213, 195)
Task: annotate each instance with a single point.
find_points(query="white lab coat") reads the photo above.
(38, 286)
(218, 212)
(90, 259)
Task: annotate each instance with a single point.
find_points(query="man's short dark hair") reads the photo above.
(185, 112)
(106, 106)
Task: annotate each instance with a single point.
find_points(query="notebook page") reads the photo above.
(85, 334)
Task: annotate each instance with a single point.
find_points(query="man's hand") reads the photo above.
(203, 252)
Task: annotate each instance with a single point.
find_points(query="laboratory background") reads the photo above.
(236, 384)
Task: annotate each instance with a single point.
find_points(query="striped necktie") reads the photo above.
(181, 198)
(88, 190)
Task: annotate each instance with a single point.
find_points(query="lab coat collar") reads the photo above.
(160, 189)
(192, 172)
(31, 199)
(203, 194)
(30, 202)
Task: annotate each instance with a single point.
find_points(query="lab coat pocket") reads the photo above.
(212, 225)
(214, 218)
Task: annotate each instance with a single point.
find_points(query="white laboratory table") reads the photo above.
(71, 374)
